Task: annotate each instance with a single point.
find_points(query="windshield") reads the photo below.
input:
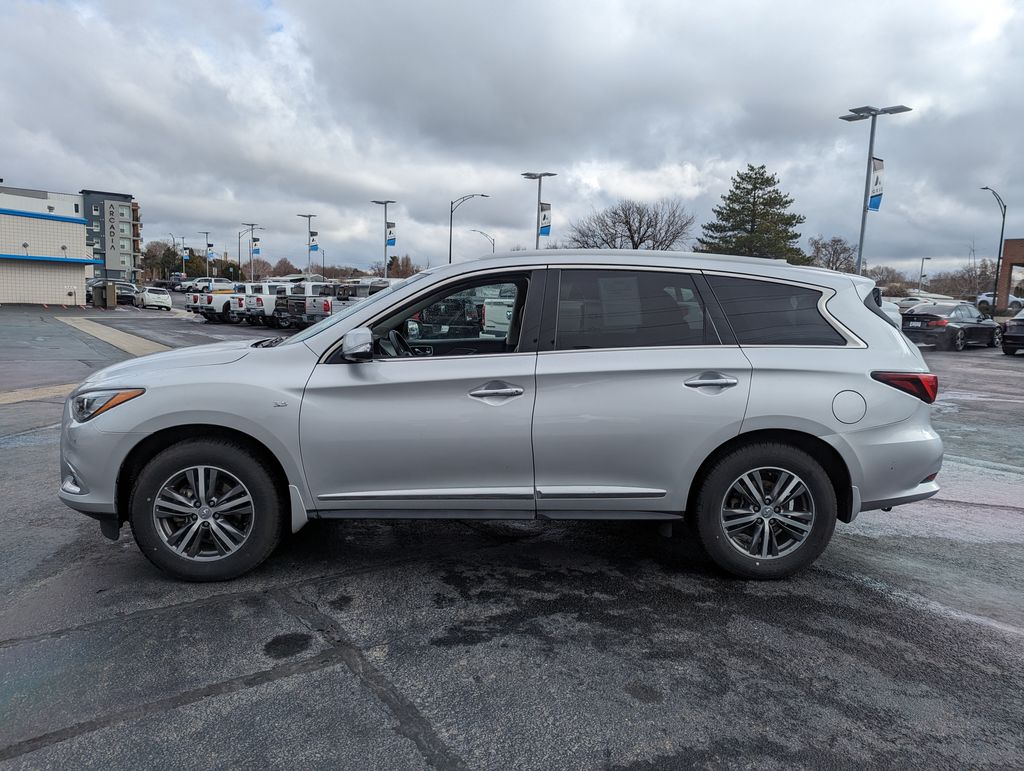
(341, 315)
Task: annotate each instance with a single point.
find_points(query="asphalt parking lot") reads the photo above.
(497, 645)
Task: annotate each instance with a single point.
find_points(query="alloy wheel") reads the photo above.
(959, 341)
(767, 513)
(203, 513)
(997, 337)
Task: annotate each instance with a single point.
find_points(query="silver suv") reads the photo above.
(757, 400)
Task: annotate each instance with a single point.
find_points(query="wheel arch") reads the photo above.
(817, 448)
(158, 441)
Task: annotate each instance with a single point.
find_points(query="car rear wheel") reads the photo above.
(765, 511)
(1015, 306)
(956, 340)
(206, 510)
(1009, 350)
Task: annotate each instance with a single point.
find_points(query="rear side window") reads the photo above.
(769, 313)
(629, 309)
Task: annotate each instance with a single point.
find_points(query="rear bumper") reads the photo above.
(926, 336)
(1014, 338)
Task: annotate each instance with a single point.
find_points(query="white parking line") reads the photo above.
(37, 393)
(133, 344)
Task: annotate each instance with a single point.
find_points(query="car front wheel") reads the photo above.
(206, 510)
(997, 338)
(765, 511)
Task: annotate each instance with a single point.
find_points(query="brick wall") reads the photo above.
(35, 282)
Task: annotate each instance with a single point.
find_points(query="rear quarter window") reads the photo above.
(771, 313)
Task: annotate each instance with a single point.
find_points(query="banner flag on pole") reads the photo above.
(255, 250)
(211, 254)
(545, 219)
(391, 234)
(877, 172)
(313, 245)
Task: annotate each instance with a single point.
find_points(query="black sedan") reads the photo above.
(1013, 335)
(952, 326)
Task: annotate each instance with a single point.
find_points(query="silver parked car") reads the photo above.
(761, 401)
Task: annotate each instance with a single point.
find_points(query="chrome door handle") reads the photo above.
(493, 390)
(711, 380)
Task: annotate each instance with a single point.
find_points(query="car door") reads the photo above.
(637, 382)
(976, 328)
(445, 432)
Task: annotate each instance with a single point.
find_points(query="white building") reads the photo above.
(50, 245)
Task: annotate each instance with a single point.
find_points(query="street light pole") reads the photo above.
(174, 246)
(487, 236)
(999, 252)
(385, 205)
(862, 113)
(250, 228)
(207, 242)
(920, 276)
(539, 176)
(309, 240)
(451, 216)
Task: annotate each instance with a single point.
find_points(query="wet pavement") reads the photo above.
(497, 645)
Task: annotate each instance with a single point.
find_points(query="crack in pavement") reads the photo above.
(411, 722)
(327, 658)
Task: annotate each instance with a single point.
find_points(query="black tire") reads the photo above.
(1009, 350)
(716, 486)
(956, 340)
(1015, 307)
(267, 511)
(271, 321)
(996, 339)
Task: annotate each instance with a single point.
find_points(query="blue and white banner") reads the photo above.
(390, 236)
(211, 254)
(545, 219)
(255, 250)
(313, 245)
(877, 171)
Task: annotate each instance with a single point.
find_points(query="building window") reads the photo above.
(76, 208)
(123, 212)
(124, 244)
(123, 229)
(96, 227)
(95, 210)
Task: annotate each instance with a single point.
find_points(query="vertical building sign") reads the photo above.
(877, 170)
(545, 219)
(111, 257)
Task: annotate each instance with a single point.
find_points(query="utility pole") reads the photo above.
(451, 216)
(539, 176)
(250, 227)
(999, 251)
(208, 245)
(309, 241)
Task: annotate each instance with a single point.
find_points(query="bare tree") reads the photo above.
(835, 254)
(284, 267)
(661, 225)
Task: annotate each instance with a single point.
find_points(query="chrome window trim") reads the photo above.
(429, 290)
(852, 341)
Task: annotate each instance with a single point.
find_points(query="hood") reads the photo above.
(194, 356)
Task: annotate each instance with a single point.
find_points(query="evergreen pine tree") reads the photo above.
(754, 219)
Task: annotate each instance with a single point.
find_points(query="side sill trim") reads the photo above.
(559, 492)
(435, 494)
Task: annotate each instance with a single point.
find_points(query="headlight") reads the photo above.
(90, 404)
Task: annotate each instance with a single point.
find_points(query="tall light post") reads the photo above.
(174, 246)
(999, 252)
(451, 216)
(539, 176)
(250, 228)
(309, 240)
(385, 205)
(862, 113)
(208, 245)
(487, 236)
(920, 276)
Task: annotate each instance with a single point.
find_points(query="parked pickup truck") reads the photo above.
(334, 297)
(290, 308)
(497, 311)
(259, 301)
(215, 303)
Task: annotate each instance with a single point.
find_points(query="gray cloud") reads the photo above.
(216, 113)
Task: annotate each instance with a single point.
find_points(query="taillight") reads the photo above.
(327, 305)
(240, 301)
(923, 385)
(209, 299)
(259, 302)
(938, 323)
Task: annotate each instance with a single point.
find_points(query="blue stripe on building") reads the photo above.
(40, 216)
(39, 258)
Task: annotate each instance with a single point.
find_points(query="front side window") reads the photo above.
(629, 309)
(771, 313)
(482, 317)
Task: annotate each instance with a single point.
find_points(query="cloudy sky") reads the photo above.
(212, 114)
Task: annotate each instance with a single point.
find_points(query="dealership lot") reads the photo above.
(490, 644)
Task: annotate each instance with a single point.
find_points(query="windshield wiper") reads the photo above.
(270, 342)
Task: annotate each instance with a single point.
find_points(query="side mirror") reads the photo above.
(357, 345)
(412, 329)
